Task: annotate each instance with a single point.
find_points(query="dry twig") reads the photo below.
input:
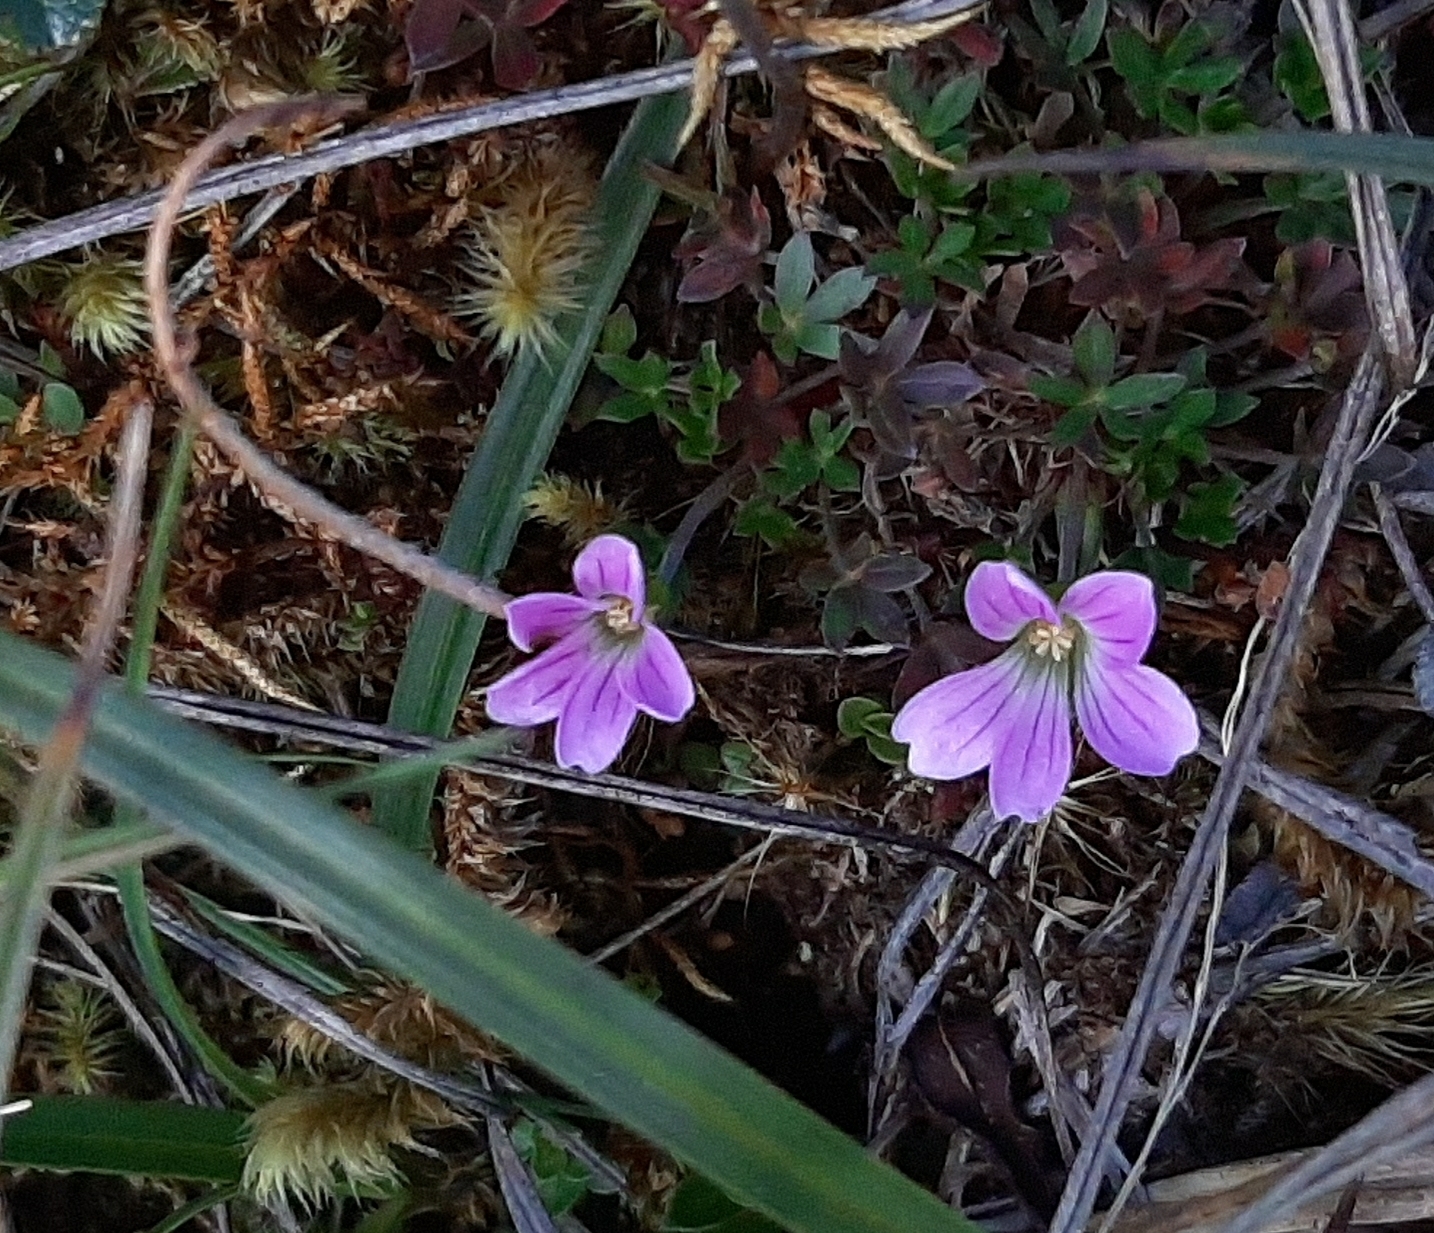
(397, 137)
(294, 499)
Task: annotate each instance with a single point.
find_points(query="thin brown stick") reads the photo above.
(1403, 554)
(1122, 1073)
(393, 137)
(296, 500)
(40, 834)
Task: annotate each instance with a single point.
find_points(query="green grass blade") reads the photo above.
(130, 881)
(181, 1216)
(101, 1134)
(626, 1056)
(517, 440)
(1398, 159)
(83, 853)
(130, 878)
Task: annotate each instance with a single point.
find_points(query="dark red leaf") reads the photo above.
(725, 251)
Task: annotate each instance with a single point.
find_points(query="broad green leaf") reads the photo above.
(843, 292)
(796, 271)
(952, 104)
(1094, 350)
(1060, 390)
(1144, 389)
(101, 1134)
(1085, 34)
(631, 1060)
(852, 714)
(517, 440)
(62, 408)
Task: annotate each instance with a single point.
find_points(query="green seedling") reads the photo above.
(562, 1179)
(1207, 511)
(1153, 423)
(1071, 43)
(60, 406)
(865, 719)
(1164, 80)
(802, 316)
(1093, 391)
(700, 1207)
(940, 118)
(653, 385)
(925, 253)
(800, 464)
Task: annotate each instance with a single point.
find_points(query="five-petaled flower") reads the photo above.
(1014, 713)
(607, 661)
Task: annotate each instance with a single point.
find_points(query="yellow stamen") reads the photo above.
(620, 617)
(1046, 638)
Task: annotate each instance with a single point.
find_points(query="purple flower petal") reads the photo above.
(1032, 763)
(954, 726)
(609, 565)
(596, 719)
(656, 679)
(1135, 717)
(1117, 609)
(1000, 600)
(546, 616)
(537, 691)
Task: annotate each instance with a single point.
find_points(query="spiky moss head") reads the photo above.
(103, 300)
(306, 1146)
(581, 511)
(77, 1040)
(522, 259)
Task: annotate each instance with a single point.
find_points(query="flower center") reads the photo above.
(620, 617)
(1046, 638)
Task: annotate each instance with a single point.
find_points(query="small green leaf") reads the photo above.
(841, 615)
(1231, 407)
(1190, 40)
(648, 375)
(761, 519)
(1145, 389)
(819, 339)
(626, 408)
(1208, 512)
(1072, 427)
(9, 384)
(1060, 390)
(843, 292)
(954, 241)
(796, 271)
(1085, 34)
(852, 714)
(700, 1207)
(952, 104)
(1165, 569)
(63, 410)
(841, 475)
(9, 409)
(51, 362)
(1094, 350)
(619, 332)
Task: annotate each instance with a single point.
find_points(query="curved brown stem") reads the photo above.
(297, 500)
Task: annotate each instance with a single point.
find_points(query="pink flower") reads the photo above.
(1014, 713)
(607, 661)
